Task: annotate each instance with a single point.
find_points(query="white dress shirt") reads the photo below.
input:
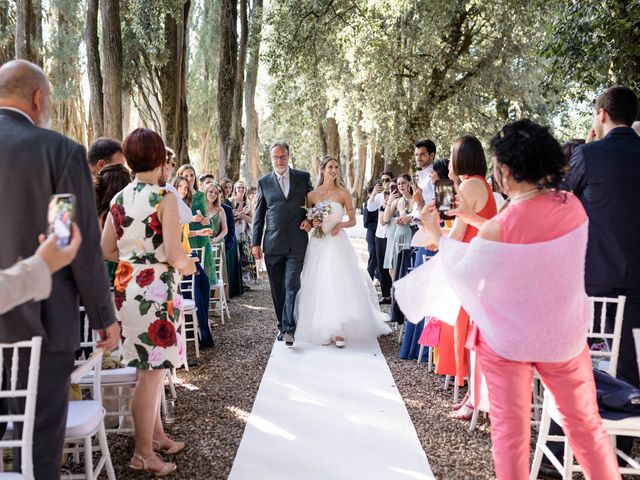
(428, 191)
(372, 206)
(284, 182)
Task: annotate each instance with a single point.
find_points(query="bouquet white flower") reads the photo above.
(319, 211)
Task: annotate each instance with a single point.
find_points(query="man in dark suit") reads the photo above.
(279, 221)
(36, 163)
(370, 222)
(603, 174)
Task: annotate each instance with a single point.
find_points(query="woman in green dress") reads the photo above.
(218, 220)
(199, 221)
(234, 267)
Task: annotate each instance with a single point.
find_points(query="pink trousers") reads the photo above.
(573, 387)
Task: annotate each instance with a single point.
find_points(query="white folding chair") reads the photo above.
(117, 384)
(628, 426)
(189, 315)
(85, 420)
(220, 301)
(25, 442)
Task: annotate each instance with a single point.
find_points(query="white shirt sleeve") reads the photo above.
(183, 209)
(376, 204)
(27, 280)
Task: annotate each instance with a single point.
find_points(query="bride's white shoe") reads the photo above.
(326, 342)
(340, 342)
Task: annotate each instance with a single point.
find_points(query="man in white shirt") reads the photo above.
(376, 202)
(425, 154)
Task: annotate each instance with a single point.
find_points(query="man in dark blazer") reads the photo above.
(36, 163)
(279, 223)
(370, 222)
(604, 175)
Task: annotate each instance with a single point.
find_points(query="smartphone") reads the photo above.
(393, 188)
(445, 197)
(62, 210)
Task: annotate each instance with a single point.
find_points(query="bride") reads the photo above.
(337, 300)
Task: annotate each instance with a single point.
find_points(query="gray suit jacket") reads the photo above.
(36, 163)
(278, 218)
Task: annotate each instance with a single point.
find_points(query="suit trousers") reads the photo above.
(51, 409)
(372, 263)
(284, 278)
(572, 384)
(385, 278)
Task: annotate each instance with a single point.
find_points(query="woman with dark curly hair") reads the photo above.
(532, 311)
(108, 182)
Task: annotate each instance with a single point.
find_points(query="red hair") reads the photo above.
(144, 150)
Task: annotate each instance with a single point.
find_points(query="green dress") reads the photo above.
(199, 204)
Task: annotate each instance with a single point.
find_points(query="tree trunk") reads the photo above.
(112, 61)
(28, 35)
(401, 161)
(333, 138)
(361, 143)
(237, 133)
(96, 105)
(228, 62)
(251, 140)
(183, 125)
(349, 166)
(377, 157)
(322, 136)
(7, 31)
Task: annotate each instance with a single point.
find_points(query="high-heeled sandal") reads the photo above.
(167, 467)
(459, 405)
(174, 449)
(464, 413)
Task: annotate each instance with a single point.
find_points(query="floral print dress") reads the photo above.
(145, 284)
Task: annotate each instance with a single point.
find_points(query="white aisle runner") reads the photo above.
(327, 414)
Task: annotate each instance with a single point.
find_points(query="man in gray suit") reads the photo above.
(280, 223)
(36, 163)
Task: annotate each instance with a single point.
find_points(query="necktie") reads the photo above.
(282, 185)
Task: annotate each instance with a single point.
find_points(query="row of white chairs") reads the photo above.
(85, 418)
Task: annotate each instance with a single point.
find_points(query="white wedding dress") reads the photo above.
(336, 297)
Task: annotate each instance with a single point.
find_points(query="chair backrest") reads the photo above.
(218, 258)
(84, 367)
(199, 251)
(25, 443)
(598, 330)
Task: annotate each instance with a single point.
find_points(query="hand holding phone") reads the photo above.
(61, 213)
(445, 197)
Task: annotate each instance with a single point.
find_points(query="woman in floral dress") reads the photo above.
(142, 233)
(243, 216)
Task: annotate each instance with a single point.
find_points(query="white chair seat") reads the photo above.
(188, 305)
(11, 476)
(83, 418)
(114, 375)
(613, 427)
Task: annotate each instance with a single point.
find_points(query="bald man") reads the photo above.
(36, 163)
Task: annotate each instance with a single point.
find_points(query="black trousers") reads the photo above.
(284, 279)
(372, 263)
(385, 278)
(51, 409)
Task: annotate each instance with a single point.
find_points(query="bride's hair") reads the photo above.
(325, 160)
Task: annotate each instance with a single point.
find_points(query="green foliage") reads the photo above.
(202, 83)
(414, 69)
(592, 44)
(62, 49)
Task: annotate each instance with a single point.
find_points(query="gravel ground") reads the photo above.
(216, 396)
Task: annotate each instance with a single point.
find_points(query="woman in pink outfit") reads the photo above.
(529, 165)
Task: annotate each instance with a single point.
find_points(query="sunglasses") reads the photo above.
(386, 180)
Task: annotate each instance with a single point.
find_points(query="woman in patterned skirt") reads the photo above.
(142, 234)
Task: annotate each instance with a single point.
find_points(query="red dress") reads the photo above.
(453, 359)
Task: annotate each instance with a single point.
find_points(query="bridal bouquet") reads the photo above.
(319, 211)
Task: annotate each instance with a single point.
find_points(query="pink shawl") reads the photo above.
(528, 300)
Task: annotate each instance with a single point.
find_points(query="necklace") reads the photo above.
(526, 194)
